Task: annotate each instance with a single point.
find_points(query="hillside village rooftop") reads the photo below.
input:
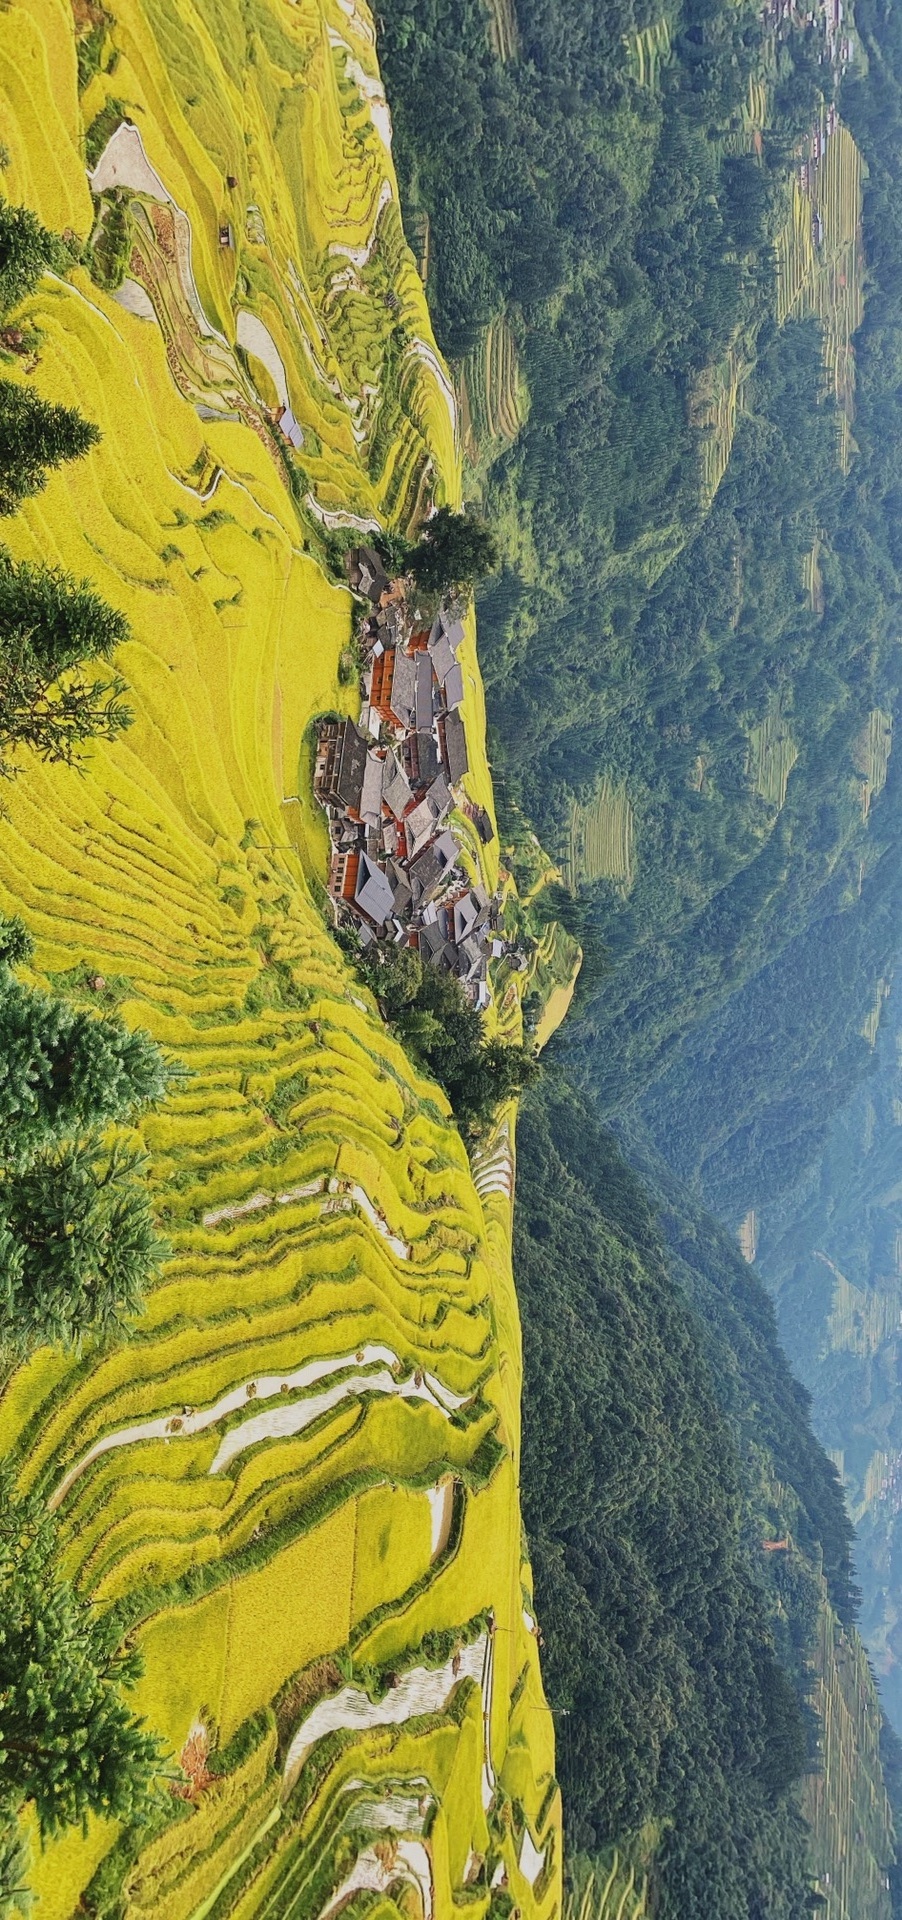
(392, 784)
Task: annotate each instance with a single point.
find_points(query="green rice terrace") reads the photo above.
(600, 845)
(845, 1798)
(772, 755)
(820, 262)
(491, 394)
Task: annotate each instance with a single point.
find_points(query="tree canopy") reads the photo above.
(454, 551)
(434, 1018)
(69, 1743)
(77, 1242)
(50, 624)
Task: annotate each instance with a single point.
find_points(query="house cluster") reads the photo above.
(814, 154)
(826, 20)
(392, 784)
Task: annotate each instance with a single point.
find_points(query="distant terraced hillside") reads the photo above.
(299, 1477)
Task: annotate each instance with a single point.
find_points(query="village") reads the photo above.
(826, 19)
(392, 783)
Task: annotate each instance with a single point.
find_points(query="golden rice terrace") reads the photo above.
(298, 1477)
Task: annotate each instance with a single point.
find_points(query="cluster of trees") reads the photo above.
(49, 623)
(69, 1743)
(746, 1107)
(454, 550)
(651, 1366)
(77, 1242)
(746, 1104)
(433, 1017)
(77, 1239)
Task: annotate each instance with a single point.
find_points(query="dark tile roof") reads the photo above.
(373, 894)
(455, 748)
(351, 766)
(424, 760)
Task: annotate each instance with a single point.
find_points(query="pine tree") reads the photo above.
(77, 1245)
(26, 249)
(68, 1741)
(60, 620)
(49, 624)
(16, 944)
(63, 1071)
(36, 434)
(14, 1894)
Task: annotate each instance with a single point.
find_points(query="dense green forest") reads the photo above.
(664, 1438)
(747, 1103)
(630, 635)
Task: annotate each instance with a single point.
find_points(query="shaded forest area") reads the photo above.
(664, 1438)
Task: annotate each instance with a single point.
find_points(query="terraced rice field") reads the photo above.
(748, 1235)
(647, 51)
(845, 1800)
(504, 34)
(601, 838)
(491, 394)
(820, 262)
(617, 1892)
(871, 756)
(872, 1023)
(716, 403)
(861, 1319)
(305, 1458)
(812, 578)
(772, 756)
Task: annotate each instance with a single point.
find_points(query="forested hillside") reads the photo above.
(830, 1249)
(694, 626)
(690, 1547)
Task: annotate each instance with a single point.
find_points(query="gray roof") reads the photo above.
(351, 766)
(439, 796)
(432, 940)
(395, 788)
(434, 863)
(426, 758)
(373, 894)
(403, 697)
(371, 797)
(442, 657)
(427, 870)
(420, 826)
(290, 428)
(366, 572)
(483, 825)
(403, 891)
(466, 914)
(424, 691)
(447, 848)
(455, 633)
(453, 688)
(455, 754)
